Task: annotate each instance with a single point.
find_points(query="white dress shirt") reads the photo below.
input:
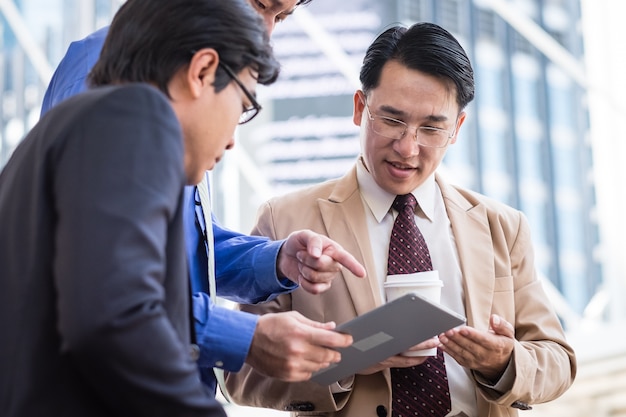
(432, 220)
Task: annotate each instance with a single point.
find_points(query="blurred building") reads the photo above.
(525, 142)
(542, 135)
(528, 141)
(34, 35)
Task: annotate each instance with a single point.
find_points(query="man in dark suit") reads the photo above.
(248, 269)
(94, 297)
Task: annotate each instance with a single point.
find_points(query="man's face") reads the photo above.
(401, 165)
(220, 119)
(273, 11)
(208, 118)
(210, 129)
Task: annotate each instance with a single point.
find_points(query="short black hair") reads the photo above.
(303, 2)
(424, 47)
(150, 40)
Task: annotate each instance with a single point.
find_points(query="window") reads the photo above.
(486, 25)
(450, 15)
(413, 10)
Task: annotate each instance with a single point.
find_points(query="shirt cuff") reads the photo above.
(504, 384)
(344, 385)
(223, 335)
(266, 265)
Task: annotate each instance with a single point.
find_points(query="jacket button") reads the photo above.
(194, 352)
(521, 405)
(381, 411)
(304, 406)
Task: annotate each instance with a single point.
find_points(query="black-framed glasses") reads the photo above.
(391, 128)
(248, 113)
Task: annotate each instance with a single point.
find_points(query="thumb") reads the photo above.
(314, 245)
(501, 326)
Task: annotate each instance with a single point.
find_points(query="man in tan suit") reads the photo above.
(416, 84)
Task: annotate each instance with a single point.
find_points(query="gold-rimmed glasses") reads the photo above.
(391, 128)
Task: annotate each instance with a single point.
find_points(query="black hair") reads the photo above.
(150, 40)
(303, 2)
(425, 47)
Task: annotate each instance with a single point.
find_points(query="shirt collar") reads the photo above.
(379, 201)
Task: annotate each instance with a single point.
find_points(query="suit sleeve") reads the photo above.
(118, 186)
(251, 388)
(223, 335)
(543, 362)
(71, 74)
(249, 262)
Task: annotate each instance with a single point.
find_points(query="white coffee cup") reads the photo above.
(426, 284)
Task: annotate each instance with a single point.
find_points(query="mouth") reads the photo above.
(401, 171)
(401, 166)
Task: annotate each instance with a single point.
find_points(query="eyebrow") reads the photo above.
(401, 114)
(278, 4)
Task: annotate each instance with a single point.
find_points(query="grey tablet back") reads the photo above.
(386, 331)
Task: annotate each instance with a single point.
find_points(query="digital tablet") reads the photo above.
(386, 331)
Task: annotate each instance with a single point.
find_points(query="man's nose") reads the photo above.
(270, 23)
(231, 143)
(407, 145)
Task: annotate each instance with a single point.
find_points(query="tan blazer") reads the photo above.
(494, 247)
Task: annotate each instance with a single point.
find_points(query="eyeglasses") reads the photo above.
(248, 113)
(391, 128)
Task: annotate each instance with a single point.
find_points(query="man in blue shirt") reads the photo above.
(248, 269)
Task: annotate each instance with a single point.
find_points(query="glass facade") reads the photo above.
(34, 36)
(525, 141)
(531, 127)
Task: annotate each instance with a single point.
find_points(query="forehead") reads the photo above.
(407, 87)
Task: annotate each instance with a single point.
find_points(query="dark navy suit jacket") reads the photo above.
(94, 296)
(245, 265)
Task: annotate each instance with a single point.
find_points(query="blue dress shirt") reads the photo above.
(245, 265)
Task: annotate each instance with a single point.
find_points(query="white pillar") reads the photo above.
(604, 32)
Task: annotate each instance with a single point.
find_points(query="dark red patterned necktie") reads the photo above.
(420, 390)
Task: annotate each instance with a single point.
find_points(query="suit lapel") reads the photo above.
(473, 240)
(344, 219)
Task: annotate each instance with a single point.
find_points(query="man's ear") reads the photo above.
(459, 123)
(201, 70)
(359, 106)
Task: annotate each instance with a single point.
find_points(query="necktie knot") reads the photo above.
(405, 201)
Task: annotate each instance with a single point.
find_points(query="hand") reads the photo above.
(290, 347)
(485, 352)
(401, 361)
(313, 261)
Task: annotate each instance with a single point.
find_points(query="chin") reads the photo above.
(193, 179)
(401, 188)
